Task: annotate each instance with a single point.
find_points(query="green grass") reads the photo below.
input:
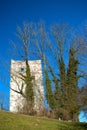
(10, 121)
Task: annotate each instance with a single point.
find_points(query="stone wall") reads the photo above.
(16, 100)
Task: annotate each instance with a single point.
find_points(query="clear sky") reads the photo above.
(15, 12)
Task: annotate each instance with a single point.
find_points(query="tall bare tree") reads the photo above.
(54, 48)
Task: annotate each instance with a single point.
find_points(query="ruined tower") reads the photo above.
(16, 100)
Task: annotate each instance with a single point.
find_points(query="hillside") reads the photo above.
(10, 121)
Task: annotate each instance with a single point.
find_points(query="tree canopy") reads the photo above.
(62, 56)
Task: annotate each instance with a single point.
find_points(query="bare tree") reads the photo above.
(23, 49)
(52, 47)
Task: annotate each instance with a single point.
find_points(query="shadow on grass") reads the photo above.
(82, 126)
(72, 126)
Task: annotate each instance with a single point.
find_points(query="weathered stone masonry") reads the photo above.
(16, 100)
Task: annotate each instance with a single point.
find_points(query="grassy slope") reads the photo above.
(9, 121)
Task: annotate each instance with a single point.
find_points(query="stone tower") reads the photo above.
(16, 100)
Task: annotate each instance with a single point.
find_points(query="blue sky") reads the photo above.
(15, 12)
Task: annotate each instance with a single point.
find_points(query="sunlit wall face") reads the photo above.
(17, 101)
